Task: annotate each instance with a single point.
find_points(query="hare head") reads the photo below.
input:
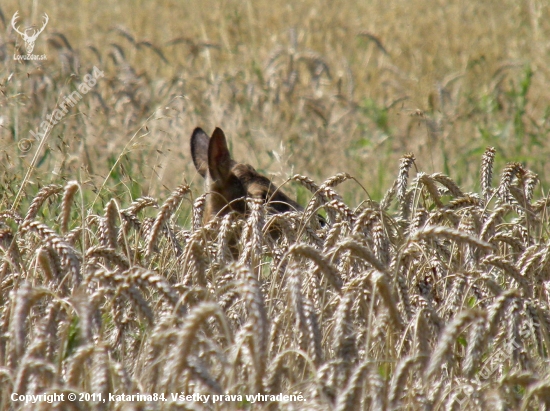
(228, 183)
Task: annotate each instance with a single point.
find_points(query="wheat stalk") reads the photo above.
(68, 195)
(50, 239)
(167, 209)
(405, 165)
(448, 233)
(331, 274)
(39, 200)
(487, 162)
(443, 349)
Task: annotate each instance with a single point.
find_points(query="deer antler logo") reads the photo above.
(30, 34)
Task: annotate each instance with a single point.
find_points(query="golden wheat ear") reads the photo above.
(199, 150)
(219, 158)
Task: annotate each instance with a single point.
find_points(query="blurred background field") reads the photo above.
(306, 87)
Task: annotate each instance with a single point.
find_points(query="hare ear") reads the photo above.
(219, 159)
(199, 150)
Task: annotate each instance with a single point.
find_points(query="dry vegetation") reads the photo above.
(418, 293)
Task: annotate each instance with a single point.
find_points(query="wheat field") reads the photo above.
(427, 287)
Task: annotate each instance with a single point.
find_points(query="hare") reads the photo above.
(228, 183)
